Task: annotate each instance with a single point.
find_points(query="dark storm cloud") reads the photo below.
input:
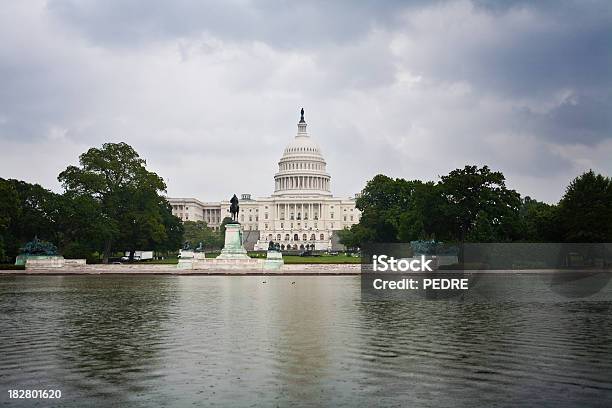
(581, 119)
(535, 49)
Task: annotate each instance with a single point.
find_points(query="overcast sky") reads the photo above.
(410, 89)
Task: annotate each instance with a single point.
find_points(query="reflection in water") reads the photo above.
(91, 337)
(237, 341)
(113, 330)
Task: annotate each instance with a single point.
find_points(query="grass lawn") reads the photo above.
(324, 259)
(167, 261)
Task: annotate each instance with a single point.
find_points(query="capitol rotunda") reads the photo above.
(301, 214)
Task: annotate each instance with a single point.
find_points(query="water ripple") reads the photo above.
(234, 341)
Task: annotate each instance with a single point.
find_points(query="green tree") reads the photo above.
(174, 229)
(479, 206)
(538, 221)
(36, 215)
(585, 211)
(81, 226)
(424, 217)
(128, 194)
(199, 231)
(9, 214)
(382, 203)
(348, 237)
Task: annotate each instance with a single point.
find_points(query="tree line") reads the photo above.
(111, 203)
(473, 204)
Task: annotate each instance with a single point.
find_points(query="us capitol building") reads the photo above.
(300, 214)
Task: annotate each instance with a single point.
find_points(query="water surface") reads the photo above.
(149, 341)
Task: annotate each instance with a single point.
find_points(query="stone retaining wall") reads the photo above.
(230, 267)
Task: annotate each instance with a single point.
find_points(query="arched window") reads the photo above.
(278, 237)
(322, 237)
(283, 247)
(269, 237)
(295, 237)
(286, 237)
(312, 237)
(304, 237)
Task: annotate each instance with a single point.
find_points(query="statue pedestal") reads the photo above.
(185, 259)
(274, 260)
(40, 261)
(233, 248)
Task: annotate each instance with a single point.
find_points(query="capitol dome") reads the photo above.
(302, 169)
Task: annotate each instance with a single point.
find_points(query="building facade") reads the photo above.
(302, 213)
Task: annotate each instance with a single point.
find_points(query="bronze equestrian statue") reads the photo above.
(234, 208)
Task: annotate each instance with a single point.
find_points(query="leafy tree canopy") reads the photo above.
(585, 211)
(129, 196)
(199, 231)
(479, 206)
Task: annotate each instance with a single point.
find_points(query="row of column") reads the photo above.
(301, 208)
(212, 215)
(302, 182)
(291, 237)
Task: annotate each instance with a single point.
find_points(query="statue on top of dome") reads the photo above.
(302, 116)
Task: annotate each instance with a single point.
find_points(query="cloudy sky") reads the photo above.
(410, 89)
